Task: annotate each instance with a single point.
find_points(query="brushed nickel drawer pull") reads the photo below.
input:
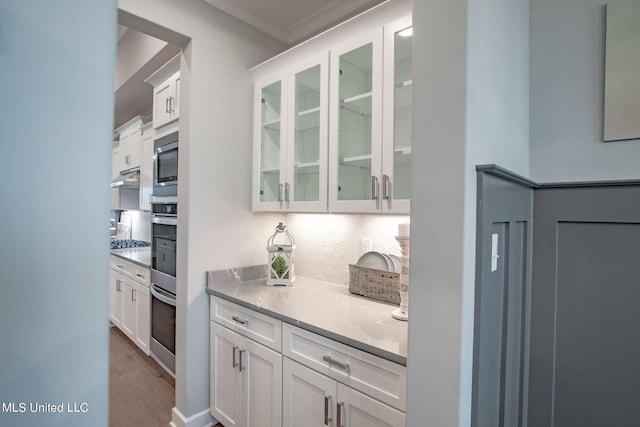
(330, 361)
(239, 320)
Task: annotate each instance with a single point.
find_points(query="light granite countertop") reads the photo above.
(140, 256)
(320, 307)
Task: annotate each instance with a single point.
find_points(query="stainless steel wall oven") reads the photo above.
(164, 225)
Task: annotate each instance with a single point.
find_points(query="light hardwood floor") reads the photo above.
(141, 392)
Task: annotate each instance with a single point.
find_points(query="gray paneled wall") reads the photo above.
(503, 273)
(584, 342)
(556, 316)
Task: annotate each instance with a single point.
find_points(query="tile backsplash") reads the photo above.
(140, 222)
(327, 244)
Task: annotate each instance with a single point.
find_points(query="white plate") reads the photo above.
(375, 260)
(397, 263)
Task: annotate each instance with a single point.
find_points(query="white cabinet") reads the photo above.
(329, 383)
(130, 302)
(128, 154)
(268, 373)
(166, 93)
(116, 166)
(313, 399)
(379, 378)
(146, 167)
(397, 108)
(130, 144)
(336, 138)
(370, 142)
(355, 124)
(116, 283)
(308, 397)
(290, 138)
(246, 376)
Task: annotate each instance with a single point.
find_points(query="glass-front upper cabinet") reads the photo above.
(306, 187)
(290, 139)
(356, 125)
(396, 164)
(269, 142)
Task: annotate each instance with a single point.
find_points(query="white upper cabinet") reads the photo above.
(166, 93)
(332, 132)
(290, 138)
(355, 124)
(146, 167)
(370, 122)
(397, 108)
(128, 154)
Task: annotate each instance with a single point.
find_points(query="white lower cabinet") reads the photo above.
(268, 373)
(245, 380)
(313, 399)
(115, 297)
(130, 301)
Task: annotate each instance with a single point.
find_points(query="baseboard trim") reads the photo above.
(201, 419)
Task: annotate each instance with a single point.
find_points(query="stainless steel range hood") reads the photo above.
(127, 179)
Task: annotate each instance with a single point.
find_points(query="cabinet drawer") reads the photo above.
(259, 327)
(372, 375)
(130, 269)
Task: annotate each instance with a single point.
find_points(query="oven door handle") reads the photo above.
(162, 295)
(166, 220)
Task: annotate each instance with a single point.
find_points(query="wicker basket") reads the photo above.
(376, 284)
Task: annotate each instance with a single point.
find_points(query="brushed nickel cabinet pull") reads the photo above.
(133, 295)
(241, 368)
(374, 188)
(286, 193)
(386, 186)
(339, 414)
(234, 362)
(327, 404)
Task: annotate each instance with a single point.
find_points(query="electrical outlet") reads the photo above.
(365, 245)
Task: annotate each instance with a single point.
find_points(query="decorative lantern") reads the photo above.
(280, 259)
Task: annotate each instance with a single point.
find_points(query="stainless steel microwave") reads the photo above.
(165, 165)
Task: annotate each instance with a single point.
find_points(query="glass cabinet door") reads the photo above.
(270, 143)
(307, 141)
(356, 127)
(397, 117)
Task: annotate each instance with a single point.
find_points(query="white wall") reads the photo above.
(216, 229)
(470, 107)
(58, 63)
(567, 93)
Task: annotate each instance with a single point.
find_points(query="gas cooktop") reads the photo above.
(128, 243)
